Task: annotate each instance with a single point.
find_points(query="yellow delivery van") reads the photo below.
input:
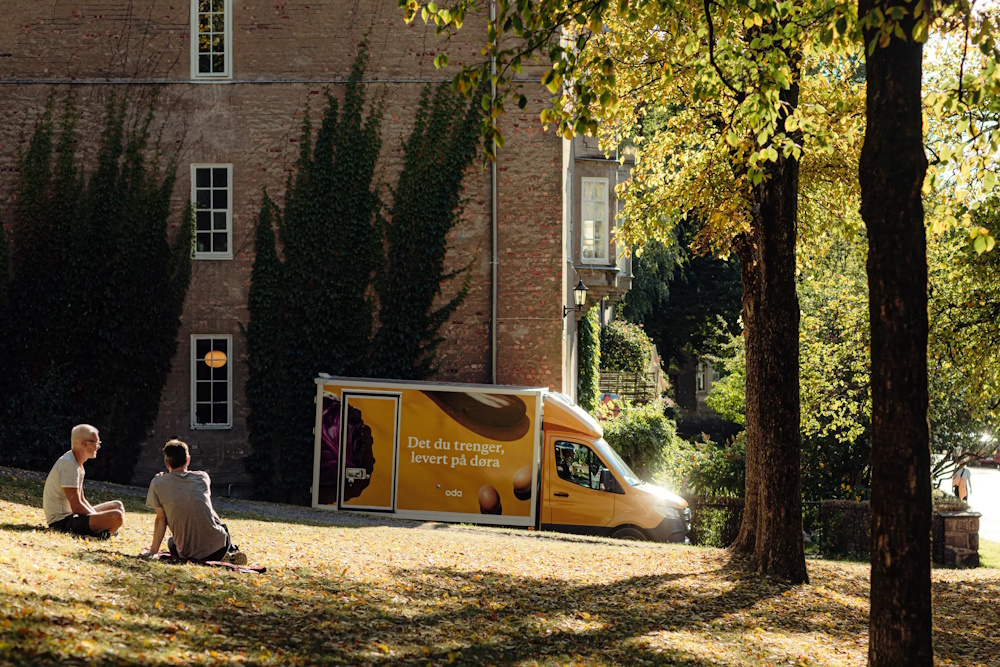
(487, 454)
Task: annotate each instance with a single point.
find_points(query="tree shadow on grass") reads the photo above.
(22, 527)
(432, 615)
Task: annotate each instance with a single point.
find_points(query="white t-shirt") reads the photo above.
(66, 473)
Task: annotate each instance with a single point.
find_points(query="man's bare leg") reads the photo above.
(109, 516)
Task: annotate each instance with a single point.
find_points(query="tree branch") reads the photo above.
(740, 95)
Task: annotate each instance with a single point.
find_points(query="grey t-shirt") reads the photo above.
(65, 473)
(186, 499)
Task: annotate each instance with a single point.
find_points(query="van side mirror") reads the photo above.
(609, 483)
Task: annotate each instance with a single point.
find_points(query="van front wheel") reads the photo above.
(628, 533)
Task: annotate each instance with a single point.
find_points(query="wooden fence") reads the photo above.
(639, 388)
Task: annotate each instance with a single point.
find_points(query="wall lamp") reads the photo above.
(579, 298)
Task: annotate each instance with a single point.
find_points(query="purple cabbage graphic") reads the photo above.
(359, 451)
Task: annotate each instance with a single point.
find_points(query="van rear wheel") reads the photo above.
(628, 533)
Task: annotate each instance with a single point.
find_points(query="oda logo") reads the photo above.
(454, 493)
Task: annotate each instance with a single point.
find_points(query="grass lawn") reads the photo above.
(989, 554)
(438, 595)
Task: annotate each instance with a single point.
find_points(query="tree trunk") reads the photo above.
(745, 543)
(779, 549)
(773, 489)
(891, 173)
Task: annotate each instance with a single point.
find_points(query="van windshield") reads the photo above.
(618, 464)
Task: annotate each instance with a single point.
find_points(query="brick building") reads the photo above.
(231, 102)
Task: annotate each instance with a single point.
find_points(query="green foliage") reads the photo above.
(598, 53)
(834, 350)
(625, 347)
(716, 469)
(845, 529)
(728, 73)
(834, 460)
(681, 298)
(835, 381)
(728, 396)
(963, 362)
(715, 522)
(96, 290)
(835, 468)
(588, 344)
(425, 208)
(654, 266)
(312, 311)
(645, 438)
(834, 366)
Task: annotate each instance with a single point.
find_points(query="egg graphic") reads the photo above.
(489, 500)
(522, 483)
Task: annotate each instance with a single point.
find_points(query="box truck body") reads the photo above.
(485, 454)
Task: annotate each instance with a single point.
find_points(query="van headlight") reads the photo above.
(667, 512)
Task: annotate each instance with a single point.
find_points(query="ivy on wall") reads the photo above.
(312, 312)
(588, 345)
(426, 206)
(263, 334)
(96, 291)
(313, 309)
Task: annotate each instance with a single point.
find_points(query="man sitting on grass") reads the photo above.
(182, 499)
(62, 498)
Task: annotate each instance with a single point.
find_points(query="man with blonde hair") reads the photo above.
(66, 509)
(182, 499)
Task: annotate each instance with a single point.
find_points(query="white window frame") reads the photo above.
(228, 254)
(603, 183)
(195, 426)
(227, 35)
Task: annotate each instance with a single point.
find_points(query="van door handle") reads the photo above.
(561, 494)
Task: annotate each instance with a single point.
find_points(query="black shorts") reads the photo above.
(78, 524)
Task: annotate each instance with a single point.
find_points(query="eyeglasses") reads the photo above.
(93, 442)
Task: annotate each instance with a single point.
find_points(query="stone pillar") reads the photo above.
(956, 538)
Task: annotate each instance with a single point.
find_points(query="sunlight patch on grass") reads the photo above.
(989, 554)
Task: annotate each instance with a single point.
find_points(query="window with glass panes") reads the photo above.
(211, 50)
(579, 464)
(594, 220)
(212, 196)
(211, 381)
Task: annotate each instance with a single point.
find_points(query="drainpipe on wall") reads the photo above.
(494, 268)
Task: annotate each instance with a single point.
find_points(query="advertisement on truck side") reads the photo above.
(429, 451)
